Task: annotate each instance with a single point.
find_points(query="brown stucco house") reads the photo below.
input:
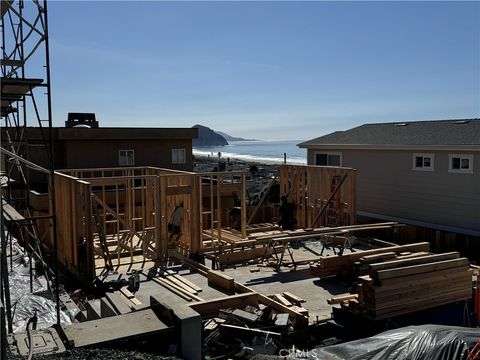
(82, 144)
(422, 173)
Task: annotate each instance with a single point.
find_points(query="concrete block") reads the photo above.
(190, 323)
(81, 316)
(45, 342)
(93, 309)
(120, 306)
(106, 309)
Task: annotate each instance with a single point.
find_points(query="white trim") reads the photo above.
(126, 157)
(337, 153)
(446, 228)
(423, 167)
(179, 150)
(461, 157)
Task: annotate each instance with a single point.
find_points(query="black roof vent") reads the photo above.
(87, 120)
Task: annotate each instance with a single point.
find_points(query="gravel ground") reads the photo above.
(94, 354)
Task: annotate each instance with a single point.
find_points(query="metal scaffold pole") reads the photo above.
(52, 166)
(26, 115)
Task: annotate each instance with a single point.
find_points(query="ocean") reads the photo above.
(261, 151)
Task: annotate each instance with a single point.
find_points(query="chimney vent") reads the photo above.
(81, 120)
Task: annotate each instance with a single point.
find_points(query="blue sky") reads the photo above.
(270, 70)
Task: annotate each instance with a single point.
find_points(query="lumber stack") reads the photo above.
(336, 265)
(397, 287)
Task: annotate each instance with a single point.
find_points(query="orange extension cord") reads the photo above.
(475, 353)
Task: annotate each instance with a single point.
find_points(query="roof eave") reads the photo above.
(463, 147)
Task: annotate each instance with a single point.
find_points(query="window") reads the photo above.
(460, 163)
(423, 162)
(328, 159)
(126, 157)
(178, 156)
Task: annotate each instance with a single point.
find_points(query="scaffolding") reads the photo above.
(26, 101)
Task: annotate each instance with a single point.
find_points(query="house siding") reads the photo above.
(158, 153)
(387, 185)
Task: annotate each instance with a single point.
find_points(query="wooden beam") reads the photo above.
(413, 261)
(341, 298)
(294, 298)
(221, 281)
(282, 300)
(418, 269)
(211, 307)
(175, 289)
(244, 255)
(185, 281)
(180, 284)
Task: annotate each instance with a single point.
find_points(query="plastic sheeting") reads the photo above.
(29, 305)
(426, 342)
(19, 276)
(24, 302)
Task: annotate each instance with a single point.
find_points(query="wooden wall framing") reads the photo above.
(133, 206)
(309, 188)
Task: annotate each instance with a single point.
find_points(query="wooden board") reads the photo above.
(211, 307)
(185, 281)
(282, 300)
(244, 255)
(381, 256)
(180, 284)
(333, 265)
(341, 298)
(418, 269)
(175, 289)
(293, 298)
(413, 261)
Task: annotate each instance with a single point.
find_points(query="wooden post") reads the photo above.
(244, 207)
(195, 215)
(163, 216)
(212, 213)
(156, 201)
(219, 209)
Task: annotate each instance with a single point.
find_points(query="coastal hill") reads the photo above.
(208, 137)
(232, 138)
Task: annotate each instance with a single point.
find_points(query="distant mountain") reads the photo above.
(208, 137)
(232, 138)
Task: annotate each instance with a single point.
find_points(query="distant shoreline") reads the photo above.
(199, 158)
(249, 158)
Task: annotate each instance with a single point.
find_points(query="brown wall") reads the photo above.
(88, 148)
(158, 153)
(78, 154)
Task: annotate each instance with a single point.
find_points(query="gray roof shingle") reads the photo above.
(437, 132)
